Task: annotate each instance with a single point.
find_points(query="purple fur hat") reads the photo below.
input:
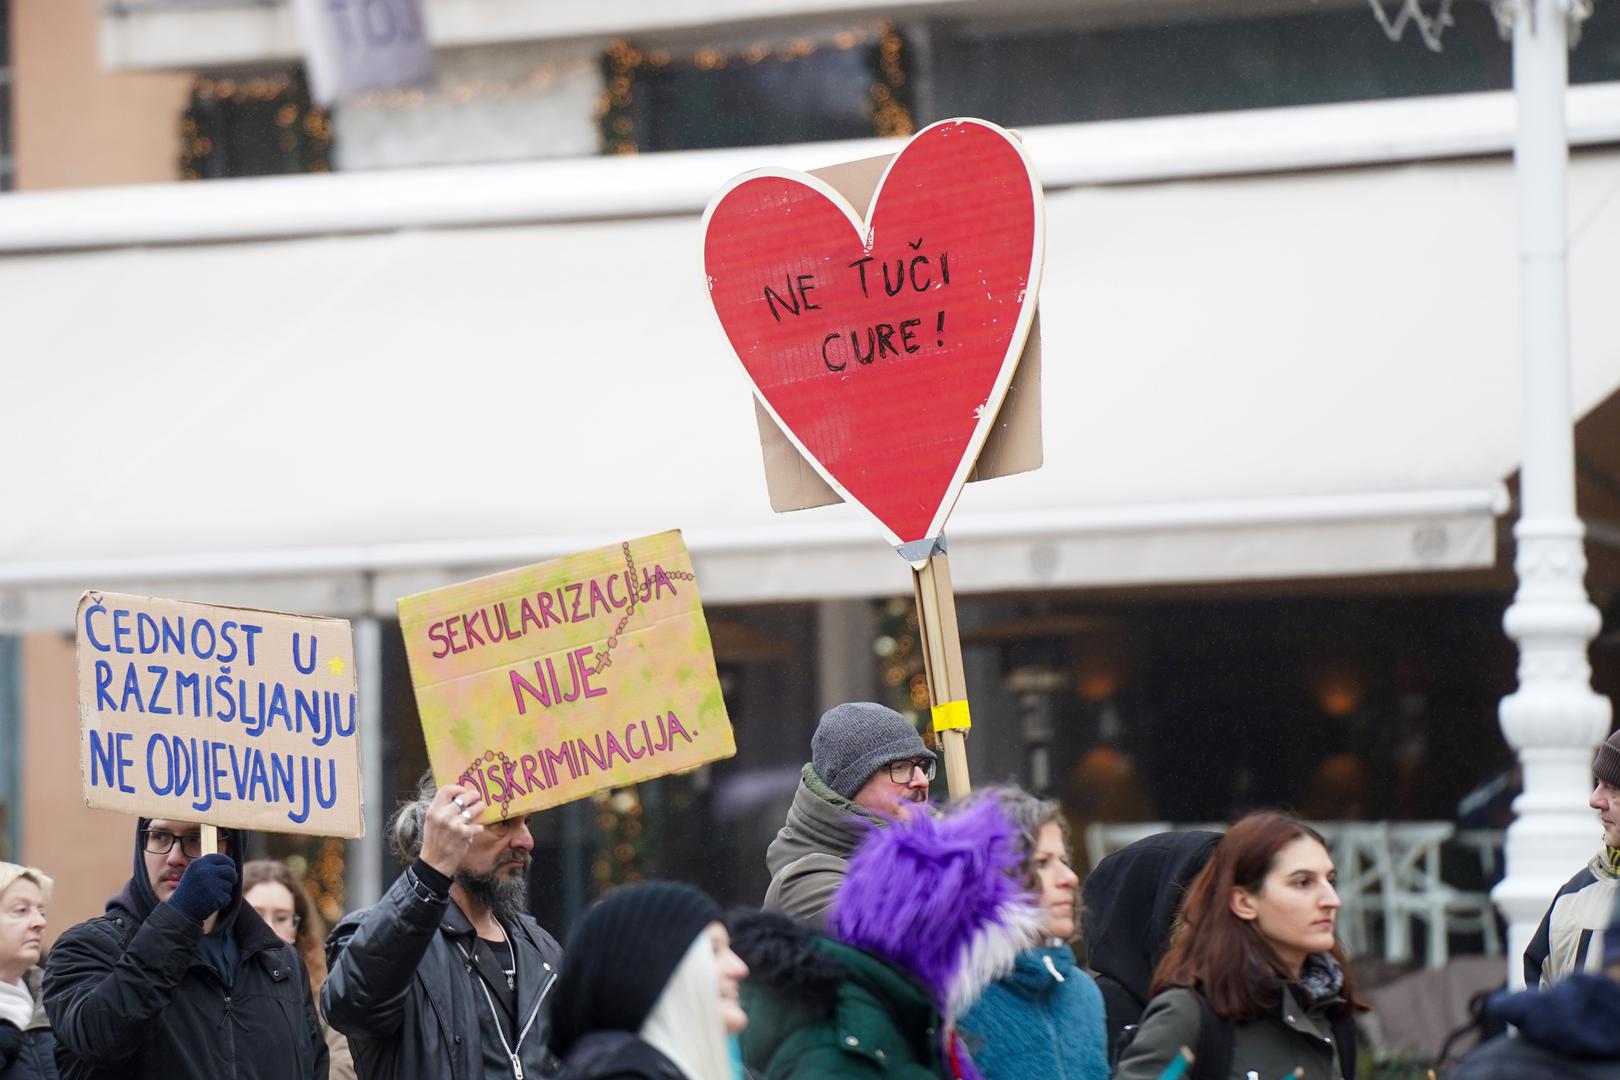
(940, 898)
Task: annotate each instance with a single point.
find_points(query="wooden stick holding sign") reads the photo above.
(883, 345)
(942, 659)
(207, 844)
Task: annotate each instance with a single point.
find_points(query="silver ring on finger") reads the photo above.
(466, 815)
(459, 804)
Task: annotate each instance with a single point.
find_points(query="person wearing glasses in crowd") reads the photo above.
(448, 974)
(179, 978)
(865, 761)
(275, 892)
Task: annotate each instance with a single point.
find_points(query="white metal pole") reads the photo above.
(365, 855)
(1553, 720)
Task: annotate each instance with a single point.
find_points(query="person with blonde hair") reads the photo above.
(27, 1048)
(274, 891)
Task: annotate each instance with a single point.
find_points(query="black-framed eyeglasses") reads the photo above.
(900, 771)
(161, 842)
(279, 920)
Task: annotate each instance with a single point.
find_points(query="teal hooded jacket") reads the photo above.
(1045, 1020)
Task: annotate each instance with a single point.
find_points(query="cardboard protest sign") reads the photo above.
(545, 684)
(229, 716)
(1012, 446)
(883, 346)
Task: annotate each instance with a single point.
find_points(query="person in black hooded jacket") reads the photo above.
(179, 979)
(1130, 902)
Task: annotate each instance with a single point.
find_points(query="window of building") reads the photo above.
(8, 168)
(848, 84)
(253, 126)
(1056, 69)
(10, 743)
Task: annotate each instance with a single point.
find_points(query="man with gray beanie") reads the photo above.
(865, 759)
(1570, 938)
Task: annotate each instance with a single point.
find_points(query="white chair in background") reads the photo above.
(1418, 892)
(1105, 837)
(1360, 851)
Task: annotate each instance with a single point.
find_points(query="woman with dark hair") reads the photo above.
(274, 891)
(1254, 983)
(1045, 1017)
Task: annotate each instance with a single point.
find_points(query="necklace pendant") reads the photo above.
(510, 983)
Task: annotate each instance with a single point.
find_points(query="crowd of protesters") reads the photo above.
(897, 939)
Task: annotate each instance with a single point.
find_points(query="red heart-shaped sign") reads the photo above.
(883, 347)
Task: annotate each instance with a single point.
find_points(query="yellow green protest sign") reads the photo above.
(545, 684)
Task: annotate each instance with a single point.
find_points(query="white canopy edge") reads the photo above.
(810, 558)
(586, 189)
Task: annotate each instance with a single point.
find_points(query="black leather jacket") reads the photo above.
(398, 987)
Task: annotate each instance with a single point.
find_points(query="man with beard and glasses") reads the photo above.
(865, 760)
(447, 974)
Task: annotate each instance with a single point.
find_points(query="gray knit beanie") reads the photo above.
(856, 739)
(1607, 765)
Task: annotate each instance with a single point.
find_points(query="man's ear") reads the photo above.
(1242, 904)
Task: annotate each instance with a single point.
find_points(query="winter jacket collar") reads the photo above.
(820, 822)
(1037, 973)
(533, 980)
(1601, 867)
(33, 981)
(1579, 1016)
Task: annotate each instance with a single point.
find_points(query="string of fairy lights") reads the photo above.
(625, 64)
(900, 659)
(287, 133)
(269, 119)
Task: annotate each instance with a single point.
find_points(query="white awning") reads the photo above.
(1284, 375)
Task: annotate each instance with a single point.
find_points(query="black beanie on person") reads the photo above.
(1607, 765)
(620, 956)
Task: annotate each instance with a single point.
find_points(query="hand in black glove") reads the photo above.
(205, 887)
(11, 1041)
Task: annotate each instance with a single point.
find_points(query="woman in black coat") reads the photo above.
(27, 1050)
(649, 989)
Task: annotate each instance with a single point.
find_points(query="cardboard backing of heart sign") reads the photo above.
(883, 340)
(1013, 445)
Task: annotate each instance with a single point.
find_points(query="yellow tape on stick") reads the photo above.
(952, 716)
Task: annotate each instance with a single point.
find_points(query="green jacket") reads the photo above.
(1270, 1047)
(860, 1017)
(808, 858)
